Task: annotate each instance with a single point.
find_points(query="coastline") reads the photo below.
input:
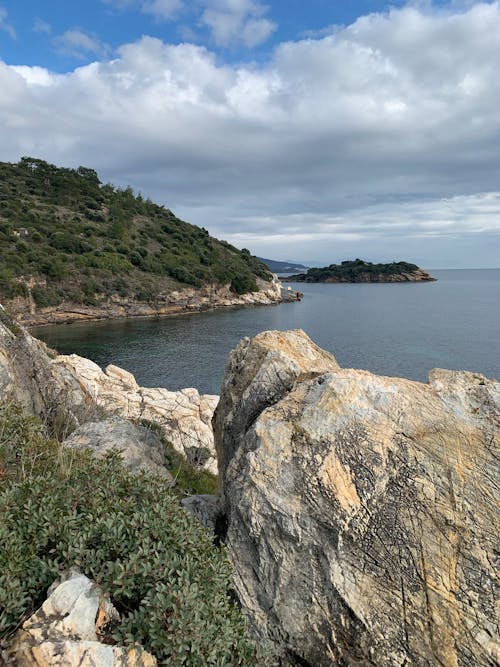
(182, 302)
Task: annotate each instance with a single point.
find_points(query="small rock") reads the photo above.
(64, 632)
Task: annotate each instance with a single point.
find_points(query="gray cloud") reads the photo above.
(380, 140)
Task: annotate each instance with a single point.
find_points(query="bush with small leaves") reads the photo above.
(129, 534)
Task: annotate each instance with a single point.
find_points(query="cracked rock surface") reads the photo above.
(362, 510)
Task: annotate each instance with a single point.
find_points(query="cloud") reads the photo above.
(381, 140)
(78, 44)
(164, 10)
(42, 27)
(237, 20)
(6, 27)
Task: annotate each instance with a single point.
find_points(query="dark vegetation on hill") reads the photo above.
(357, 271)
(88, 241)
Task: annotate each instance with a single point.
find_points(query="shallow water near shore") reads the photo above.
(397, 329)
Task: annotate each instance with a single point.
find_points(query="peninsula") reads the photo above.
(73, 248)
(359, 271)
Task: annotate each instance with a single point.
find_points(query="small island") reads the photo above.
(359, 271)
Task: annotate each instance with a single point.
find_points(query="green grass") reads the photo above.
(189, 478)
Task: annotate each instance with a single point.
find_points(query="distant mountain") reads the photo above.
(359, 271)
(282, 267)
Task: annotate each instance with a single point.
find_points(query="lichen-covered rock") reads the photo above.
(140, 449)
(185, 416)
(66, 631)
(363, 510)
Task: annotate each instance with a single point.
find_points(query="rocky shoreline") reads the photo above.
(359, 510)
(190, 300)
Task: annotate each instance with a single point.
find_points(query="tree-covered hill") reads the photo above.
(71, 238)
(359, 271)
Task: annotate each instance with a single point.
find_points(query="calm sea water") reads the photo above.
(391, 329)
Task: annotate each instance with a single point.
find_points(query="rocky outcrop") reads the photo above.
(184, 416)
(67, 391)
(29, 377)
(417, 276)
(362, 510)
(189, 300)
(140, 449)
(67, 631)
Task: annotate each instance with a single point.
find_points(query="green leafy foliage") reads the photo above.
(62, 225)
(61, 509)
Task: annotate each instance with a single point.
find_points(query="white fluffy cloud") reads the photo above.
(42, 27)
(380, 140)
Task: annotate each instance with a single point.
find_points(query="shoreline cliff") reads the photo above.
(180, 302)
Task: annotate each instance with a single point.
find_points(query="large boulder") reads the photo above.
(28, 376)
(68, 631)
(362, 510)
(141, 450)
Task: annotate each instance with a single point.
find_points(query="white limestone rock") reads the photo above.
(140, 449)
(66, 631)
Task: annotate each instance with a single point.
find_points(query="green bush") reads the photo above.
(62, 509)
(45, 296)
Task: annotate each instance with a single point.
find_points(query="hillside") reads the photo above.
(67, 238)
(359, 271)
(282, 267)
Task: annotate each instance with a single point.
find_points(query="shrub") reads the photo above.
(45, 296)
(61, 509)
(242, 283)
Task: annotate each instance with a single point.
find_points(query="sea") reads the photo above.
(396, 329)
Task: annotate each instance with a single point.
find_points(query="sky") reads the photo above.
(310, 131)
